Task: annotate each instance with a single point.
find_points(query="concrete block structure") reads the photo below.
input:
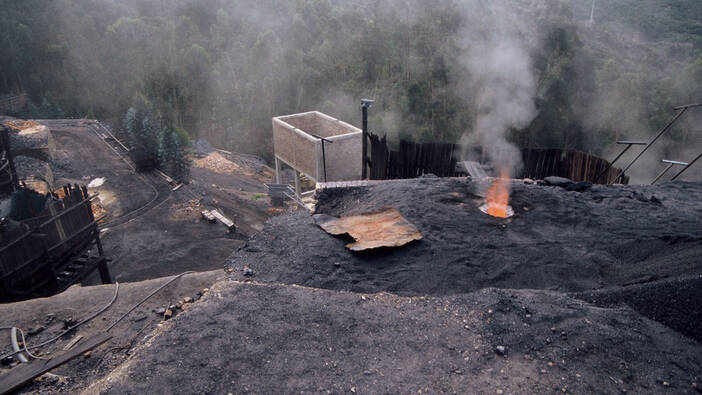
(297, 141)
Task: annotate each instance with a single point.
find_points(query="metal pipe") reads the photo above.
(324, 156)
(670, 163)
(688, 106)
(686, 167)
(628, 145)
(670, 166)
(650, 143)
(365, 105)
(15, 346)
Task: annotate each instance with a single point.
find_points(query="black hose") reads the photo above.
(53, 339)
(147, 298)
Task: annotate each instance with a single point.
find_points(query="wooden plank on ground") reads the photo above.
(207, 214)
(25, 372)
(226, 221)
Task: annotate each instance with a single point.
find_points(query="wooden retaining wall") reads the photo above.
(415, 159)
(49, 255)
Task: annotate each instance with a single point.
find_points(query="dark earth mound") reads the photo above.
(44, 318)
(610, 240)
(267, 338)
(557, 240)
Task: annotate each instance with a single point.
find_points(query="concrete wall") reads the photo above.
(295, 145)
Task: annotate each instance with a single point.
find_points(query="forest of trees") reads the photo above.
(220, 69)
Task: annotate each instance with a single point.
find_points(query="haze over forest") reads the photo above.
(535, 73)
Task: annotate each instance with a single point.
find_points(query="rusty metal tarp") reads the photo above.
(383, 228)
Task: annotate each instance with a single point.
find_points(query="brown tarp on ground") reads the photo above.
(383, 228)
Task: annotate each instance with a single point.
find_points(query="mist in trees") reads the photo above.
(220, 69)
(155, 144)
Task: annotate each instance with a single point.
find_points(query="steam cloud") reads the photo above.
(501, 84)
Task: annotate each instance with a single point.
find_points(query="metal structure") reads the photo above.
(686, 167)
(670, 163)
(46, 254)
(628, 145)
(324, 155)
(301, 141)
(681, 110)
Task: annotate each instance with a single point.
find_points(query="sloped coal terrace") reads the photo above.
(606, 241)
(578, 292)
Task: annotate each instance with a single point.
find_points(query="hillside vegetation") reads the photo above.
(222, 69)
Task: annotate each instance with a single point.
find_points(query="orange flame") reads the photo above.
(497, 197)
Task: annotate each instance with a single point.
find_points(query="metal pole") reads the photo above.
(670, 163)
(686, 167)
(662, 173)
(650, 143)
(364, 142)
(628, 145)
(324, 157)
(365, 105)
(324, 162)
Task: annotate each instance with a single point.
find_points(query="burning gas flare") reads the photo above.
(497, 197)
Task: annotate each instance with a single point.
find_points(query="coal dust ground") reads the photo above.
(151, 231)
(479, 305)
(610, 244)
(592, 292)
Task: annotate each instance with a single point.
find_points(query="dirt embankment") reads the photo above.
(46, 317)
(268, 338)
(478, 305)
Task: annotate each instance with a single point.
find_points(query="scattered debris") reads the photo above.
(96, 182)
(29, 371)
(36, 330)
(217, 163)
(231, 227)
(20, 124)
(579, 186)
(207, 214)
(72, 342)
(383, 228)
(558, 181)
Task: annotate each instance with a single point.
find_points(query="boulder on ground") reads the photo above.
(558, 181)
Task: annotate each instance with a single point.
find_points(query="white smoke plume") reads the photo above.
(501, 84)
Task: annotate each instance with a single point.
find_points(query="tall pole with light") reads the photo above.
(365, 105)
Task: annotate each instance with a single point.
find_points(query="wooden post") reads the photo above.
(105, 276)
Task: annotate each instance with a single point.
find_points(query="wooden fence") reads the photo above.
(13, 104)
(415, 159)
(412, 160)
(575, 165)
(50, 254)
(8, 175)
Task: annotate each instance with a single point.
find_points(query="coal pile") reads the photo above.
(558, 240)
(605, 239)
